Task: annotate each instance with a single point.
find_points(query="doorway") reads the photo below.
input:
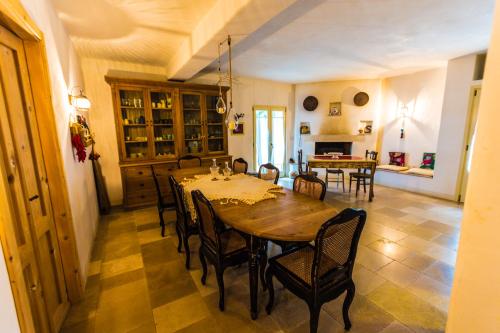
(470, 136)
(269, 136)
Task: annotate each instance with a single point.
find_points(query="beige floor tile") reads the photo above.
(390, 249)
(366, 281)
(210, 286)
(365, 316)
(122, 265)
(385, 232)
(422, 232)
(443, 228)
(180, 313)
(434, 292)
(399, 274)
(415, 243)
(418, 261)
(441, 253)
(396, 327)
(441, 271)
(326, 324)
(371, 259)
(149, 236)
(448, 241)
(410, 310)
(368, 237)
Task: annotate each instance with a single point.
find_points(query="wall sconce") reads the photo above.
(79, 101)
(403, 113)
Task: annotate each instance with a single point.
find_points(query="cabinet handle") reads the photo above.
(142, 196)
(141, 184)
(140, 172)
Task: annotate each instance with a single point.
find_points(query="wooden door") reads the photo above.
(28, 190)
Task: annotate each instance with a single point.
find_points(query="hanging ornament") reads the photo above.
(221, 105)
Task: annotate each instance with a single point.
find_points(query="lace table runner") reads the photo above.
(240, 188)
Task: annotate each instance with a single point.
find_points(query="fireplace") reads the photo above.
(321, 148)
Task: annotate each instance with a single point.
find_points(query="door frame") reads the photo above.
(14, 17)
(467, 132)
(269, 108)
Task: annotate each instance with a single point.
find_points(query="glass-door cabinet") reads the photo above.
(134, 128)
(163, 124)
(193, 123)
(215, 126)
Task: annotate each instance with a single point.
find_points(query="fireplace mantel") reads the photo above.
(333, 138)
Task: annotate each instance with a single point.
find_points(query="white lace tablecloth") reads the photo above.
(240, 188)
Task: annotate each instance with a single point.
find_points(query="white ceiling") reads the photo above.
(343, 39)
(143, 31)
(312, 40)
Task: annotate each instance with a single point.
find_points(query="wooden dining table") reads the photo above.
(290, 216)
(344, 162)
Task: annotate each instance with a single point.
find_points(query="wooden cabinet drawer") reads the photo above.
(140, 198)
(164, 170)
(139, 171)
(140, 184)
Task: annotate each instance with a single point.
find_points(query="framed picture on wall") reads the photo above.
(335, 109)
(305, 128)
(239, 130)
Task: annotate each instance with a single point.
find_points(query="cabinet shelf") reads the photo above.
(192, 124)
(166, 109)
(193, 139)
(164, 140)
(137, 141)
(133, 107)
(164, 125)
(215, 124)
(217, 138)
(134, 125)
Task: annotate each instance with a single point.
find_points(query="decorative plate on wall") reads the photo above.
(361, 98)
(310, 103)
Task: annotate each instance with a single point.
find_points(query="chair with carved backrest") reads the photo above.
(269, 172)
(162, 203)
(240, 166)
(310, 185)
(221, 246)
(185, 226)
(320, 273)
(300, 163)
(189, 161)
(361, 176)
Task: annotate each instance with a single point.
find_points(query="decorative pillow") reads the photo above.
(392, 167)
(397, 158)
(421, 172)
(428, 161)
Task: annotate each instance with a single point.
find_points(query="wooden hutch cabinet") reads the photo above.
(158, 122)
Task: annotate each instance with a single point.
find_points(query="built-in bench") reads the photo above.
(425, 173)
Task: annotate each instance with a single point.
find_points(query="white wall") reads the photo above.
(422, 93)
(103, 119)
(8, 316)
(348, 122)
(64, 70)
(249, 92)
(475, 296)
(450, 147)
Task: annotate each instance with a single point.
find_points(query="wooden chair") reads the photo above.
(162, 203)
(184, 226)
(321, 273)
(222, 247)
(188, 161)
(310, 185)
(300, 162)
(271, 172)
(338, 179)
(362, 176)
(240, 166)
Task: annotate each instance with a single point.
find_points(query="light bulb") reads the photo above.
(232, 125)
(220, 106)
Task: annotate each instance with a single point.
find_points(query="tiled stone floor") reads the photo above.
(138, 283)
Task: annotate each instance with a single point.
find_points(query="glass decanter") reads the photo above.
(226, 171)
(214, 170)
